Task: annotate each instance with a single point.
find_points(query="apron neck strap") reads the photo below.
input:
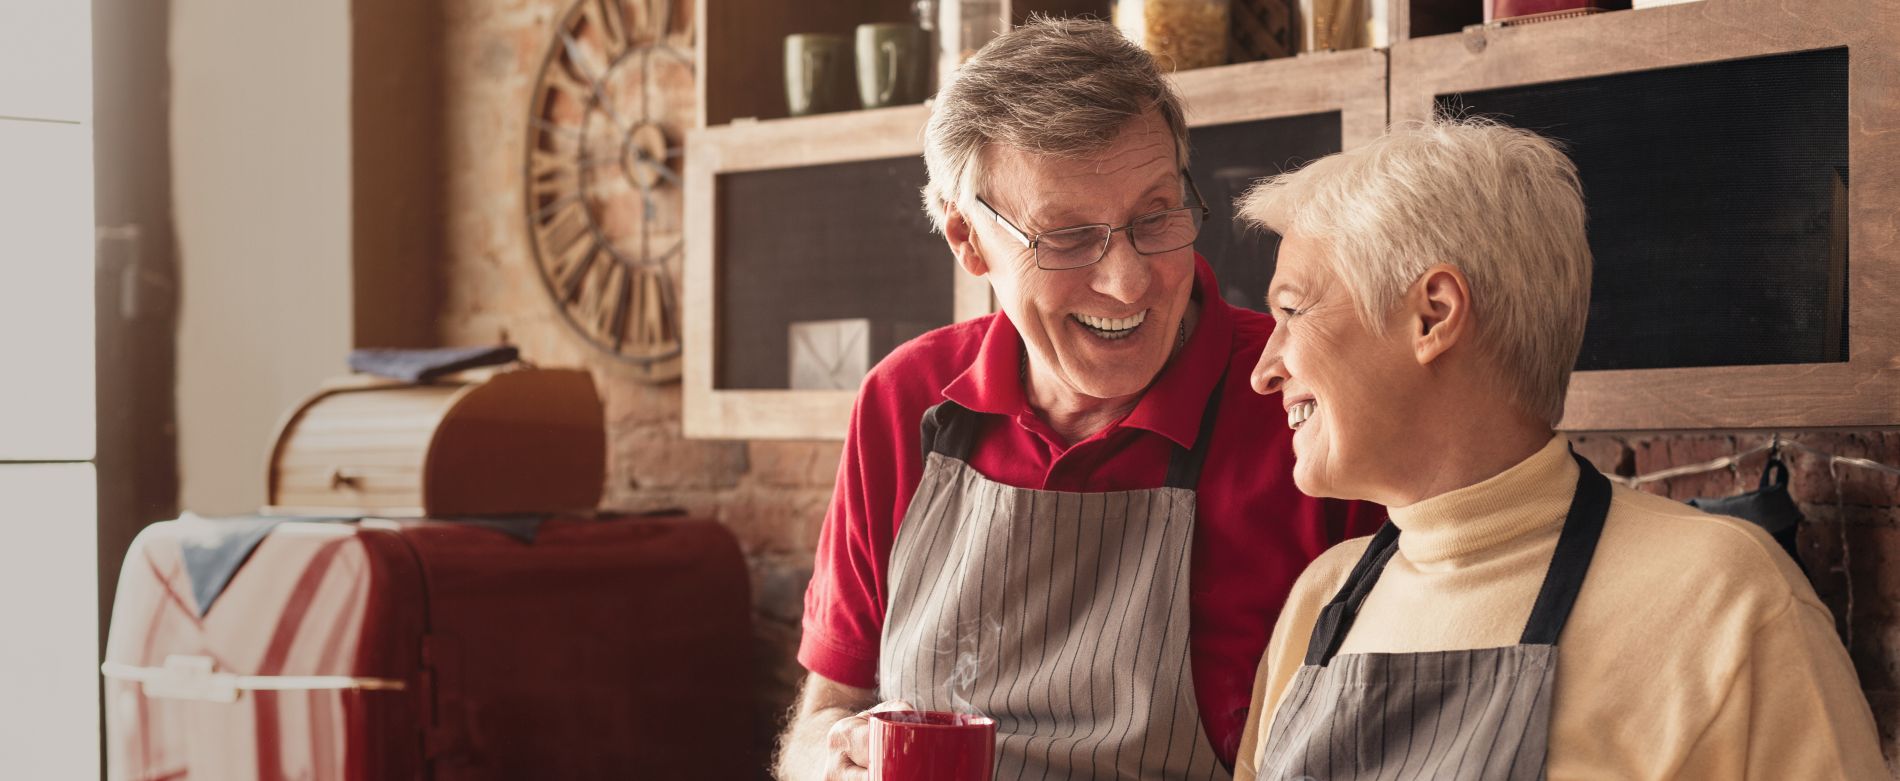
(1335, 620)
(950, 429)
(1184, 467)
(1576, 546)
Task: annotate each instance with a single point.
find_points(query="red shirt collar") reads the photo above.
(1170, 407)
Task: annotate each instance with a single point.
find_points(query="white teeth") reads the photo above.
(1113, 327)
(1298, 414)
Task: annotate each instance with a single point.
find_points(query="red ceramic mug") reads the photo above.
(932, 746)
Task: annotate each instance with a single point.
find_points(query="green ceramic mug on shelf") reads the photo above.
(818, 74)
(893, 64)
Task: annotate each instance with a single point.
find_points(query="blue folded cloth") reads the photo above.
(427, 365)
(214, 549)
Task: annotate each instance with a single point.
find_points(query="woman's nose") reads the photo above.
(1269, 373)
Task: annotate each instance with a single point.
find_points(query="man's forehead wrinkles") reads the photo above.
(1123, 162)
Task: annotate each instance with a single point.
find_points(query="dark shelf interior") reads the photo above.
(826, 242)
(1718, 206)
(1226, 160)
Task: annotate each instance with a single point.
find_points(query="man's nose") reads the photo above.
(1123, 274)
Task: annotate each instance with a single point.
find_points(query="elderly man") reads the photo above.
(1432, 288)
(1072, 516)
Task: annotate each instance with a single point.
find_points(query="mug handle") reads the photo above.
(813, 59)
(888, 50)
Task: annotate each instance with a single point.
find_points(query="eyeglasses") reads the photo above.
(1085, 245)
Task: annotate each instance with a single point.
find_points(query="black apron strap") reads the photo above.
(1576, 545)
(1337, 617)
(950, 429)
(1184, 467)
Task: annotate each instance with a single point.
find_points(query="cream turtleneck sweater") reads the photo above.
(1696, 649)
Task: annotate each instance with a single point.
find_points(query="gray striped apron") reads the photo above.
(1477, 714)
(1063, 616)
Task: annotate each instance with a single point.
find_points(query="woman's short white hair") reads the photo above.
(1501, 204)
(1059, 87)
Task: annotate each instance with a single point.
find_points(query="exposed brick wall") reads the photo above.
(1849, 538)
(773, 494)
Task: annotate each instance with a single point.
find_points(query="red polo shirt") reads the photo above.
(1254, 531)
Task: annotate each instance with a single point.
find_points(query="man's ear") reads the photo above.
(1438, 312)
(961, 236)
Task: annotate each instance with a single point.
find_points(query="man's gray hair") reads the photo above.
(1503, 205)
(1058, 87)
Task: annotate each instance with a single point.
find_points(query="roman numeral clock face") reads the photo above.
(605, 131)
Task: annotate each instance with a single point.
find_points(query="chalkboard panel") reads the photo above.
(1226, 160)
(1718, 206)
(823, 243)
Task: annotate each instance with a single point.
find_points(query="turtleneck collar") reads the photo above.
(1531, 496)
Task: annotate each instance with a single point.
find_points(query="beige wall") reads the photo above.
(260, 124)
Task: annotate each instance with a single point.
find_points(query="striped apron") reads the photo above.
(1063, 616)
(1477, 714)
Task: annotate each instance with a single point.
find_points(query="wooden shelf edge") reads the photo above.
(846, 136)
(768, 414)
(1721, 398)
(1351, 82)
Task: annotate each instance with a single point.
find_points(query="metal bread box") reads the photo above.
(489, 442)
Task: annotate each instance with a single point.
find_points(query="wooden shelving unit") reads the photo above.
(1439, 50)
(1350, 85)
(1864, 389)
(741, 44)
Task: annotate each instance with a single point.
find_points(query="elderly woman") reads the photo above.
(1431, 290)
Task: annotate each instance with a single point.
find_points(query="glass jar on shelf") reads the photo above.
(1181, 34)
(961, 28)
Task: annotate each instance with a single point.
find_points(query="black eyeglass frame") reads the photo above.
(1031, 242)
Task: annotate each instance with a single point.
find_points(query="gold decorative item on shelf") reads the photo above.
(1181, 34)
(1263, 30)
(1336, 25)
(607, 118)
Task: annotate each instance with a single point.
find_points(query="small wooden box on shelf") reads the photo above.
(1744, 191)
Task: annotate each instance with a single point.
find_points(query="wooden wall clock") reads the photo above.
(606, 127)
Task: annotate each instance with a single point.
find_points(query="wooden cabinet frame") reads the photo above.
(1352, 83)
(710, 412)
(1864, 390)
(739, 69)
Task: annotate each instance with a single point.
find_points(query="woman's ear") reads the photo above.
(961, 236)
(1438, 309)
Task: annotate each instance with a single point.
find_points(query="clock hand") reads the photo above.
(684, 57)
(658, 167)
(556, 205)
(581, 62)
(553, 128)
